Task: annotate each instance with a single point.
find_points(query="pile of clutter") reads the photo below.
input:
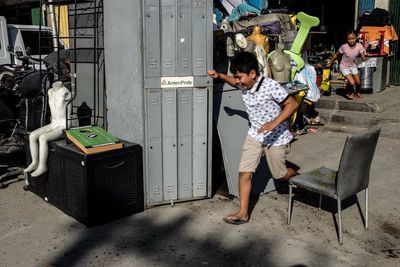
(270, 34)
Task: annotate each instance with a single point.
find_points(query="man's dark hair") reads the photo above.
(244, 62)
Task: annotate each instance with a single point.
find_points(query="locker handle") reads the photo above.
(114, 165)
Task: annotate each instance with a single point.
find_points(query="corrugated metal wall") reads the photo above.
(394, 75)
(365, 5)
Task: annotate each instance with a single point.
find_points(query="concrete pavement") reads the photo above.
(34, 233)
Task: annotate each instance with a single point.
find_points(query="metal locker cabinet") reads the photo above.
(152, 38)
(169, 154)
(185, 103)
(153, 146)
(200, 132)
(168, 38)
(184, 44)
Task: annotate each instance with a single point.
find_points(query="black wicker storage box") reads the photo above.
(96, 188)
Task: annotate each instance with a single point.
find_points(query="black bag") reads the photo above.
(33, 113)
(34, 82)
(382, 15)
(377, 17)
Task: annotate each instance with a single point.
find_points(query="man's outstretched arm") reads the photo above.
(226, 78)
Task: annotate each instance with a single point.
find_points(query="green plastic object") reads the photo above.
(306, 23)
(299, 63)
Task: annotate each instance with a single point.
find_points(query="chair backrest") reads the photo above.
(355, 163)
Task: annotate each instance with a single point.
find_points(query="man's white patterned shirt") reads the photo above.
(263, 105)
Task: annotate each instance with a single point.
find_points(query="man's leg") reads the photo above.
(289, 174)
(244, 197)
(276, 158)
(244, 194)
(250, 158)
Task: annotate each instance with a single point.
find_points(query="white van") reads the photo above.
(24, 40)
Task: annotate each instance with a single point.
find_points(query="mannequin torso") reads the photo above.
(259, 39)
(279, 63)
(58, 99)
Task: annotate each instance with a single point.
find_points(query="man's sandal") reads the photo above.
(235, 221)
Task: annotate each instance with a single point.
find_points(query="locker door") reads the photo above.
(185, 38)
(184, 143)
(168, 38)
(199, 37)
(153, 146)
(169, 155)
(200, 130)
(152, 38)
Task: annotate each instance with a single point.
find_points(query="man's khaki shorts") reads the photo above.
(252, 152)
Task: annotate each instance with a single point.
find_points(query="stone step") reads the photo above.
(334, 127)
(356, 122)
(350, 105)
(344, 117)
(351, 116)
(389, 130)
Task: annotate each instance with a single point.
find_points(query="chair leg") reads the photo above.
(290, 204)
(320, 201)
(366, 209)
(339, 207)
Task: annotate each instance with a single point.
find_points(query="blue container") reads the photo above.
(260, 4)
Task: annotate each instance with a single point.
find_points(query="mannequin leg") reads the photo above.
(44, 139)
(34, 147)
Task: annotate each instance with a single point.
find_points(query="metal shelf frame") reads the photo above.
(76, 9)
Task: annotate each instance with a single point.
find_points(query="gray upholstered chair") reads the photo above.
(351, 177)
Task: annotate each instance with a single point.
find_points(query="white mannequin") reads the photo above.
(225, 25)
(230, 47)
(241, 41)
(230, 51)
(243, 44)
(262, 60)
(38, 139)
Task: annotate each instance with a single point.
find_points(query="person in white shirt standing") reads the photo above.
(268, 133)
